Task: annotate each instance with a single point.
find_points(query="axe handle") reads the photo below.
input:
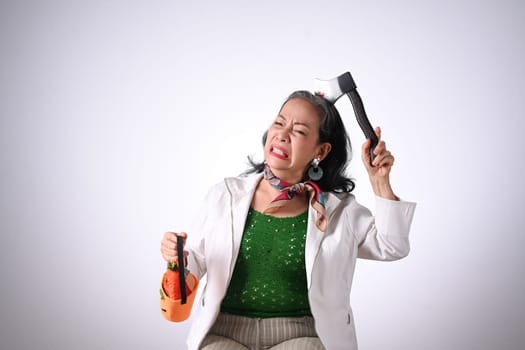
(182, 268)
(363, 121)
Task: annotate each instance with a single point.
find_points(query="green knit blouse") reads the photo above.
(269, 279)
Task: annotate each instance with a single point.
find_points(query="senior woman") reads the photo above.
(279, 244)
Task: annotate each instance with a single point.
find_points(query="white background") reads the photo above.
(116, 116)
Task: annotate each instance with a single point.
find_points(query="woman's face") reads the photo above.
(293, 140)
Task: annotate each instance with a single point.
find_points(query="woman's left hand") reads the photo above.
(379, 169)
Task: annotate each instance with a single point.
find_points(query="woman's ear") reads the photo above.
(324, 149)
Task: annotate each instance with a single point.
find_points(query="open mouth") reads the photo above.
(279, 152)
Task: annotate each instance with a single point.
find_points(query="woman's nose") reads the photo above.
(284, 134)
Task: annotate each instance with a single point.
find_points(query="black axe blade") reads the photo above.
(334, 88)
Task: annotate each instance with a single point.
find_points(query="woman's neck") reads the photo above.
(287, 176)
(265, 193)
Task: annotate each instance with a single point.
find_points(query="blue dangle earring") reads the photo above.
(315, 172)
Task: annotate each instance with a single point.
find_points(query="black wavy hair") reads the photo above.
(331, 130)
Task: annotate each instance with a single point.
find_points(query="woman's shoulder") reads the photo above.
(344, 202)
(340, 198)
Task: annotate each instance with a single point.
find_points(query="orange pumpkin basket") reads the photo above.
(177, 289)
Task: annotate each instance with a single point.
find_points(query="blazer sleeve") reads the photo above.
(203, 223)
(384, 236)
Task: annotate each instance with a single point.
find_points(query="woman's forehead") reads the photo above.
(299, 108)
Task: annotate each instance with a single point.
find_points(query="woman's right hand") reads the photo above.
(168, 246)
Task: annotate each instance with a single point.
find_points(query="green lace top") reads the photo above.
(269, 279)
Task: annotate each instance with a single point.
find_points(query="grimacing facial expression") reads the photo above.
(293, 140)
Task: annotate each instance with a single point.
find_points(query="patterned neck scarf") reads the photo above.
(288, 191)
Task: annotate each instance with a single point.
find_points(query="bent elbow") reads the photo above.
(400, 252)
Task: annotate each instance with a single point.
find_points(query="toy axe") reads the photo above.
(344, 84)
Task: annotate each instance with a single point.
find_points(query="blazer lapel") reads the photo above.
(314, 236)
(241, 192)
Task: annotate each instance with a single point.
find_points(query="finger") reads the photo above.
(378, 132)
(170, 238)
(379, 152)
(186, 258)
(380, 148)
(174, 258)
(184, 236)
(386, 161)
(365, 151)
(390, 160)
(171, 255)
(185, 254)
(378, 156)
(173, 235)
(168, 254)
(168, 246)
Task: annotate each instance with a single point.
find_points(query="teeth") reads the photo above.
(278, 151)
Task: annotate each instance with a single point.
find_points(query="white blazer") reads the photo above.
(352, 232)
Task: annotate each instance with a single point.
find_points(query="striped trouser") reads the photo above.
(231, 332)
